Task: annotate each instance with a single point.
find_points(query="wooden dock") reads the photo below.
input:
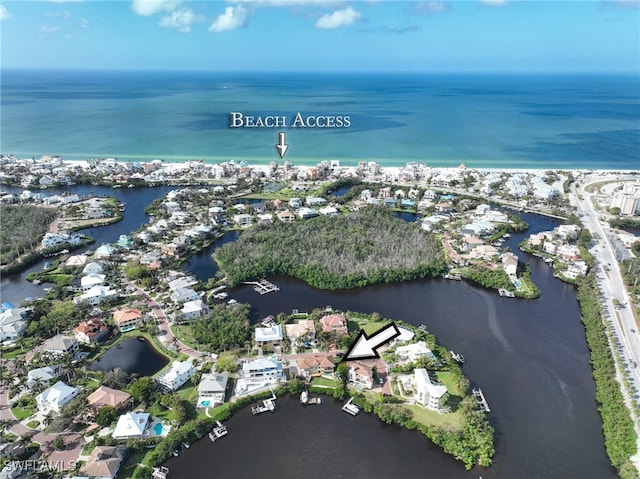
(263, 286)
(506, 293)
(160, 472)
(218, 431)
(351, 408)
(482, 402)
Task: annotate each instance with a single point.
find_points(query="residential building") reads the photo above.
(286, 216)
(91, 280)
(212, 389)
(413, 351)
(91, 331)
(104, 396)
(41, 376)
(131, 425)
(55, 397)
(104, 462)
(12, 324)
(272, 334)
(304, 329)
(316, 365)
(361, 374)
(262, 370)
(183, 295)
(95, 267)
(60, 345)
(510, 263)
(194, 309)
(178, 373)
(96, 294)
(127, 319)
(428, 394)
(334, 323)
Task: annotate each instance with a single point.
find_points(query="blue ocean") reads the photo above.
(481, 120)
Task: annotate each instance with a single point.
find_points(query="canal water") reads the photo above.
(529, 357)
(133, 355)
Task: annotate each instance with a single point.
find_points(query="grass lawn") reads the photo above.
(355, 323)
(127, 471)
(323, 383)
(444, 377)
(184, 334)
(23, 412)
(33, 424)
(425, 416)
(188, 392)
(13, 353)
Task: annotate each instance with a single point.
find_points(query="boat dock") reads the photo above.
(505, 293)
(160, 472)
(351, 408)
(218, 431)
(263, 286)
(454, 277)
(477, 392)
(267, 405)
(305, 399)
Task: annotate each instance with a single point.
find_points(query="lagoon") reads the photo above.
(133, 355)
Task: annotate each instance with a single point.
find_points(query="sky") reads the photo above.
(318, 35)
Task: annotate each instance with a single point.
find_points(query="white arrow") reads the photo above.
(366, 347)
(281, 146)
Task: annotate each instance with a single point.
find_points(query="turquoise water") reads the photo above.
(158, 429)
(542, 121)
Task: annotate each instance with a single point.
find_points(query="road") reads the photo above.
(609, 277)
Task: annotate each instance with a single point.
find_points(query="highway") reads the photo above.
(609, 277)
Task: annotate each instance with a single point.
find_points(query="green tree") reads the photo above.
(106, 415)
(143, 389)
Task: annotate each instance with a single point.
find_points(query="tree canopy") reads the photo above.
(369, 246)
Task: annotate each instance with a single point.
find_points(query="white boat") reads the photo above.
(160, 472)
(458, 357)
(218, 431)
(304, 397)
(351, 408)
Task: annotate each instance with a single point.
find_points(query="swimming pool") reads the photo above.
(158, 429)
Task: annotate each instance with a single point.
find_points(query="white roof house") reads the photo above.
(405, 335)
(413, 351)
(262, 370)
(131, 424)
(178, 373)
(182, 295)
(212, 389)
(94, 267)
(91, 280)
(427, 393)
(194, 309)
(270, 334)
(54, 398)
(94, 295)
(43, 375)
(104, 251)
(12, 324)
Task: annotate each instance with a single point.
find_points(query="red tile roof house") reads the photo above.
(91, 331)
(104, 396)
(336, 323)
(316, 365)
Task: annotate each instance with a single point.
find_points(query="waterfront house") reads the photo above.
(269, 335)
(485, 251)
(569, 252)
(131, 425)
(510, 263)
(334, 323)
(304, 330)
(127, 319)
(243, 220)
(575, 268)
(55, 397)
(181, 282)
(262, 371)
(411, 352)
(361, 374)
(178, 373)
(183, 295)
(104, 251)
(91, 331)
(104, 396)
(316, 365)
(428, 394)
(76, 261)
(212, 389)
(405, 335)
(104, 462)
(59, 345)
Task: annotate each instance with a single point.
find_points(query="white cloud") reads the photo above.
(232, 18)
(4, 13)
(494, 3)
(431, 8)
(181, 19)
(65, 14)
(338, 18)
(84, 23)
(49, 30)
(147, 8)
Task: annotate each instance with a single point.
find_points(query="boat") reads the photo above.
(454, 277)
(304, 397)
(160, 472)
(122, 207)
(218, 431)
(458, 357)
(185, 445)
(505, 293)
(351, 408)
(176, 453)
(267, 405)
(422, 327)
